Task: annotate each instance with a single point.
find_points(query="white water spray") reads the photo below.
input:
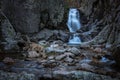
(73, 24)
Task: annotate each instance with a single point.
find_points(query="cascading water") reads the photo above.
(73, 24)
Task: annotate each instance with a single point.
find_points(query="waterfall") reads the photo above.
(73, 24)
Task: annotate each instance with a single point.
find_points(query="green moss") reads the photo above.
(51, 53)
(45, 46)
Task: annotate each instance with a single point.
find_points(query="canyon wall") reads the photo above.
(29, 16)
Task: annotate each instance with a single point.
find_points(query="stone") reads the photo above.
(33, 54)
(68, 59)
(79, 75)
(50, 64)
(108, 46)
(69, 54)
(43, 43)
(86, 66)
(34, 48)
(43, 34)
(56, 50)
(7, 30)
(16, 76)
(8, 61)
(25, 15)
(85, 61)
(98, 50)
(85, 45)
(63, 36)
(7, 34)
(51, 57)
(41, 61)
(58, 42)
(54, 45)
(48, 34)
(74, 50)
(60, 57)
(31, 14)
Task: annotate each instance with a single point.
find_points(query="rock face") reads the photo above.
(7, 30)
(116, 54)
(29, 16)
(103, 19)
(7, 33)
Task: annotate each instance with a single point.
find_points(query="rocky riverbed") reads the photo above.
(62, 62)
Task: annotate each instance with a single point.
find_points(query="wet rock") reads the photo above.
(54, 45)
(48, 34)
(98, 50)
(7, 34)
(33, 54)
(50, 64)
(80, 75)
(51, 57)
(44, 34)
(85, 61)
(68, 59)
(58, 42)
(16, 76)
(74, 50)
(43, 43)
(34, 15)
(61, 35)
(8, 61)
(108, 46)
(41, 61)
(86, 66)
(7, 30)
(56, 50)
(27, 17)
(60, 57)
(69, 54)
(85, 45)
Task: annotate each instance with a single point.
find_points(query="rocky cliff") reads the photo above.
(29, 16)
(98, 17)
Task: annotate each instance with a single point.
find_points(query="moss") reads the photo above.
(52, 53)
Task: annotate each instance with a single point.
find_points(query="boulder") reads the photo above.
(7, 34)
(68, 59)
(29, 16)
(56, 50)
(60, 57)
(74, 50)
(44, 34)
(33, 54)
(47, 34)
